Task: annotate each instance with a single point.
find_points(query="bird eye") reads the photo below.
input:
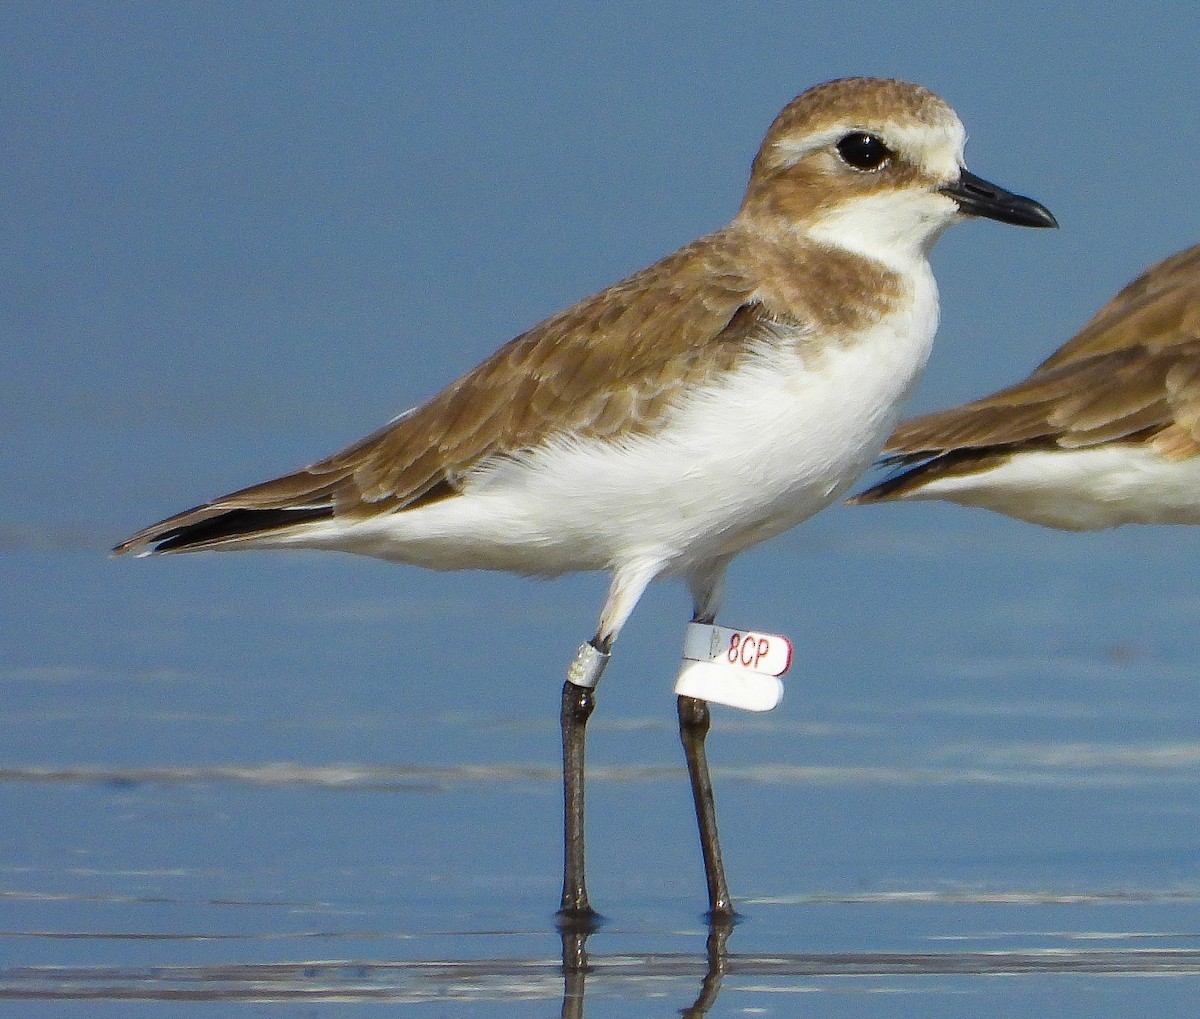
(863, 151)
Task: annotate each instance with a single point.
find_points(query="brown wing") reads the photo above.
(1132, 372)
(609, 366)
(1129, 371)
(1158, 309)
(1105, 398)
(1126, 395)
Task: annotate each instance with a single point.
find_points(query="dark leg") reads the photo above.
(577, 704)
(694, 721)
(576, 915)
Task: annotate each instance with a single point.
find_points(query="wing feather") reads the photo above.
(611, 367)
(1124, 394)
(1159, 309)
(563, 376)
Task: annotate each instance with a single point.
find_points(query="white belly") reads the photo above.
(1081, 489)
(739, 462)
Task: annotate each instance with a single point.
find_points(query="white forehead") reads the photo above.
(935, 144)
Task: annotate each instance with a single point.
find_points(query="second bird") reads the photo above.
(1106, 431)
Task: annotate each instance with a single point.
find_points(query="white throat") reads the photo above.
(896, 228)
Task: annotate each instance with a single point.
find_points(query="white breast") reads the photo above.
(742, 460)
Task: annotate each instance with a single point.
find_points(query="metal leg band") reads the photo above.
(587, 667)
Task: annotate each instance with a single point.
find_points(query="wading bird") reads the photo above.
(662, 426)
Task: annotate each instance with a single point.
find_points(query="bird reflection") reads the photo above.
(710, 987)
(576, 969)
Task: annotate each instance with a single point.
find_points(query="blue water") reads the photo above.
(310, 784)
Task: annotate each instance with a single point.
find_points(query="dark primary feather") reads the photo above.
(234, 524)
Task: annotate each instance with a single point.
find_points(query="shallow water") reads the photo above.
(261, 783)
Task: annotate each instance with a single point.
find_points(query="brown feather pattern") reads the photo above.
(1157, 310)
(616, 364)
(612, 366)
(1123, 394)
(1131, 374)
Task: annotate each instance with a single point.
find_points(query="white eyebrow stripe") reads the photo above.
(794, 150)
(936, 149)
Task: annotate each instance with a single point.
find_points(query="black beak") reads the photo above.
(976, 197)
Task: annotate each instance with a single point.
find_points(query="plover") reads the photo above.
(1106, 431)
(660, 427)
